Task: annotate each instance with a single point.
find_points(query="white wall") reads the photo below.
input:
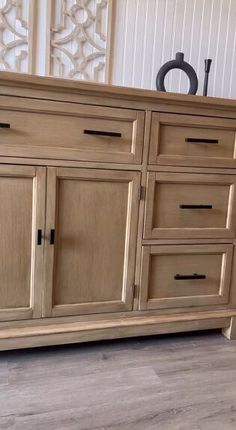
(147, 33)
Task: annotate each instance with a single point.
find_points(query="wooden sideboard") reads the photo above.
(117, 212)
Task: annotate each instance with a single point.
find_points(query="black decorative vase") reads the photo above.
(178, 63)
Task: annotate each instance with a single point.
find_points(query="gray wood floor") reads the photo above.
(171, 382)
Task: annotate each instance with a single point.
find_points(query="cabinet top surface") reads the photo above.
(10, 81)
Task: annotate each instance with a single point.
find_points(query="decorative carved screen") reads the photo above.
(72, 37)
(14, 35)
(78, 38)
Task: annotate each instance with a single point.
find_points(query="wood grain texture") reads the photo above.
(60, 131)
(22, 210)
(142, 207)
(89, 280)
(95, 217)
(161, 264)
(166, 192)
(230, 332)
(13, 83)
(169, 145)
(131, 385)
(75, 333)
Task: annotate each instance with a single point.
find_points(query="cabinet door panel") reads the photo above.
(22, 191)
(91, 266)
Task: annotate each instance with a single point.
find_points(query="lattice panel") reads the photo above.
(14, 46)
(79, 34)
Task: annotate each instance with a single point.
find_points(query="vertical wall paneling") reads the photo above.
(147, 33)
(231, 58)
(187, 13)
(212, 35)
(157, 45)
(150, 29)
(139, 51)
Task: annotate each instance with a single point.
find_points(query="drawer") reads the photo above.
(185, 275)
(188, 205)
(192, 140)
(49, 129)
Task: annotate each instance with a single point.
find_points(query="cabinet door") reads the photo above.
(90, 261)
(22, 213)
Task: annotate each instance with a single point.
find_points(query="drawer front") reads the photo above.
(188, 205)
(70, 131)
(183, 275)
(192, 140)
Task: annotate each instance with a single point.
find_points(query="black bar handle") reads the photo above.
(103, 133)
(195, 206)
(39, 237)
(5, 125)
(52, 237)
(206, 141)
(179, 277)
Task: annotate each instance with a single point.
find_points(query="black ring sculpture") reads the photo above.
(178, 63)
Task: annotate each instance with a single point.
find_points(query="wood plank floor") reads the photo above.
(184, 382)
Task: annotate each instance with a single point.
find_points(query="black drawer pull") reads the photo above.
(103, 133)
(195, 206)
(179, 277)
(206, 141)
(4, 125)
(39, 237)
(52, 237)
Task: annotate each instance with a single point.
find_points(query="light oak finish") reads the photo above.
(48, 129)
(167, 192)
(37, 87)
(108, 328)
(69, 163)
(114, 203)
(91, 267)
(142, 208)
(161, 265)
(233, 280)
(22, 213)
(230, 332)
(213, 145)
(186, 169)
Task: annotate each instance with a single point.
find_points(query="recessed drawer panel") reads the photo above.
(187, 205)
(33, 128)
(185, 275)
(192, 140)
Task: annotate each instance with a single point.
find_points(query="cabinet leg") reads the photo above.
(230, 332)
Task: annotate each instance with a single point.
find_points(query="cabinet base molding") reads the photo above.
(230, 332)
(36, 335)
